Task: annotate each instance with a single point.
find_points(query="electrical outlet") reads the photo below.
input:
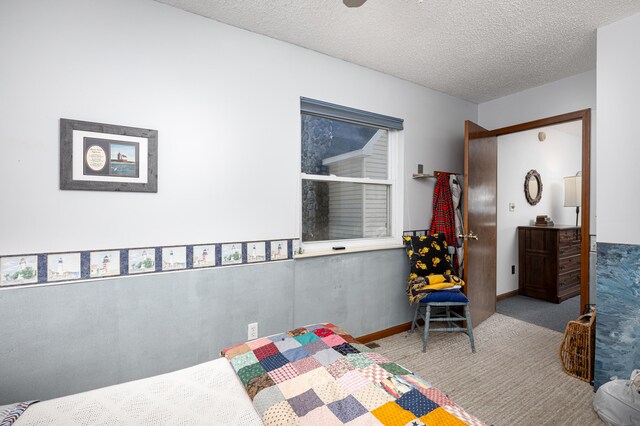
(252, 331)
(512, 207)
(592, 243)
(513, 269)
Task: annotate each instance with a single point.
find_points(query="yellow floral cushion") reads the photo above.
(428, 255)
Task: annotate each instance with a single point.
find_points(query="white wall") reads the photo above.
(567, 95)
(619, 146)
(558, 156)
(225, 102)
(618, 151)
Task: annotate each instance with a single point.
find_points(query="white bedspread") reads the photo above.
(207, 394)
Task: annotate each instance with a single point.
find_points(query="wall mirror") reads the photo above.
(533, 187)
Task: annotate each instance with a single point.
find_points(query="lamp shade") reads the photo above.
(572, 191)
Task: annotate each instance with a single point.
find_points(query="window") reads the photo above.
(350, 175)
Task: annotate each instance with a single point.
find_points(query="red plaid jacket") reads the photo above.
(443, 220)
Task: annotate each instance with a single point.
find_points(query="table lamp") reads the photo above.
(573, 192)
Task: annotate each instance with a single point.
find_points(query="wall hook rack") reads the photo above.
(436, 173)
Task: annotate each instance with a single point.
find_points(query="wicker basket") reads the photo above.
(577, 349)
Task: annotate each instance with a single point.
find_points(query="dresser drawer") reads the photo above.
(569, 249)
(568, 264)
(569, 281)
(568, 286)
(569, 237)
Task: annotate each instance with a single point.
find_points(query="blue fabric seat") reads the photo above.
(445, 296)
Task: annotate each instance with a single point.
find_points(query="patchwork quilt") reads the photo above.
(320, 375)
(9, 413)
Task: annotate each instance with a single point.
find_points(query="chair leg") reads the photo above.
(425, 336)
(414, 324)
(447, 312)
(469, 328)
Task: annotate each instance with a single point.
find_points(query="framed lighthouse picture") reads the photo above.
(204, 256)
(104, 263)
(63, 267)
(107, 157)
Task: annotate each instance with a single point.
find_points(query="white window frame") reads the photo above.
(395, 182)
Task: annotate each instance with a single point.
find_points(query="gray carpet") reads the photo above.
(514, 378)
(540, 312)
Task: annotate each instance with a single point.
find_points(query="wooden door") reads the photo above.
(480, 217)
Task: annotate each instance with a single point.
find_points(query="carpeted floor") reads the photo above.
(514, 378)
(540, 312)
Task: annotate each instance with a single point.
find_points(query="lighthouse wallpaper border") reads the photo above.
(174, 258)
(57, 267)
(104, 263)
(64, 267)
(107, 157)
(204, 256)
(17, 270)
(142, 260)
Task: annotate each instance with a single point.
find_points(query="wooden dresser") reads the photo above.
(549, 262)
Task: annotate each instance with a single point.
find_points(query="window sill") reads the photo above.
(318, 253)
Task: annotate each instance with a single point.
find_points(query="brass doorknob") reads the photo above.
(469, 236)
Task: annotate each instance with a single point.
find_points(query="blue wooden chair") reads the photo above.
(443, 299)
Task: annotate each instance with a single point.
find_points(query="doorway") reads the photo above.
(480, 209)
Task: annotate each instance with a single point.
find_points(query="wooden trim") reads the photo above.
(367, 338)
(585, 116)
(586, 209)
(543, 122)
(506, 295)
(465, 202)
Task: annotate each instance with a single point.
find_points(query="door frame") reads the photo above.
(585, 116)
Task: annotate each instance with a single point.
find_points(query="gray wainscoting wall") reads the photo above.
(618, 315)
(62, 339)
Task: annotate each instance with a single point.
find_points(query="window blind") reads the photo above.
(339, 112)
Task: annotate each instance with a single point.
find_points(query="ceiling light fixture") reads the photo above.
(353, 3)
(358, 3)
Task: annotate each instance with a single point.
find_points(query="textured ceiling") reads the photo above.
(475, 50)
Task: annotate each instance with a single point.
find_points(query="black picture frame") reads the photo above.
(117, 174)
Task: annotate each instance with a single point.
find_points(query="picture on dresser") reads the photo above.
(16, 270)
(107, 157)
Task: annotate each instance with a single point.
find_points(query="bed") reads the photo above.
(206, 394)
(314, 375)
